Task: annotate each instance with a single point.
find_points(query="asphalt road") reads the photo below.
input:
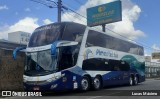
(114, 92)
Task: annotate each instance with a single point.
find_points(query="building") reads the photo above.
(156, 57)
(152, 69)
(148, 58)
(152, 65)
(19, 37)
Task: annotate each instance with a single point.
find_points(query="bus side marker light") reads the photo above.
(64, 79)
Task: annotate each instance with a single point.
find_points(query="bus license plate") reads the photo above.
(36, 88)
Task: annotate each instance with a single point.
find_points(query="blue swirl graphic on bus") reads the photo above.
(87, 52)
(135, 64)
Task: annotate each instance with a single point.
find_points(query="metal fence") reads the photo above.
(152, 69)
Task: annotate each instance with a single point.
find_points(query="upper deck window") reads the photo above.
(45, 35)
(102, 40)
(73, 32)
(58, 31)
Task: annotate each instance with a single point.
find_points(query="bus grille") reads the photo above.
(37, 82)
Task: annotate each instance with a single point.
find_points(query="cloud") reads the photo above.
(27, 24)
(47, 21)
(155, 47)
(3, 29)
(130, 14)
(147, 52)
(3, 7)
(27, 9)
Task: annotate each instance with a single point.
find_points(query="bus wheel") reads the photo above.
(97, 83)
(130, 81)
(85, 84)
(135, 80)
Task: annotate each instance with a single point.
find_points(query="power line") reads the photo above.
(80, 3)
(73, 5)
(77, 13)
(75, 17)
(52, 1)
(66, 14)
(48, 4)
(73, 11)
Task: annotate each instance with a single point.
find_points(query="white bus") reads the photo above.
(67, 55)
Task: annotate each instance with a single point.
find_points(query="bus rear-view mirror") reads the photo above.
(17, 50)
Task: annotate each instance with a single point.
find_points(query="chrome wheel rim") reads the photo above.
(131, 81)
(135, 79)
(96, 83)
(84, 84)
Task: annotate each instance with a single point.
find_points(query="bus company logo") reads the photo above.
(88, 53)
(101, 9)
(107, 53)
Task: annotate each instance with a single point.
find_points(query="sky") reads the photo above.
(140, 18)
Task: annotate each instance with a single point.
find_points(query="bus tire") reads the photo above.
(97, 83)
(85, 84)
(131, 81)
(135, 80)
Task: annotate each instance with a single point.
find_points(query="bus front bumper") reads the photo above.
(44, 86)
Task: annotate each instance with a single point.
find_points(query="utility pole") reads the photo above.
(59, 10)
(50, 4)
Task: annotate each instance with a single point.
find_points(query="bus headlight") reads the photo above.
(50, 79)
(53, 78)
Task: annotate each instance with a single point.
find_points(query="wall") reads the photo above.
(11, 71)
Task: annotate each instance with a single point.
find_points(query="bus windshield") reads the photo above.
(41, 62)
(38, 61)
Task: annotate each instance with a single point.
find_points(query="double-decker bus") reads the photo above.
(67, 55)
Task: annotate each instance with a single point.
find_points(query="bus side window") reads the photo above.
(95, 39)
(124, 66)
(65, 58)
(68, 56)
(105, 65)
(96, 64)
